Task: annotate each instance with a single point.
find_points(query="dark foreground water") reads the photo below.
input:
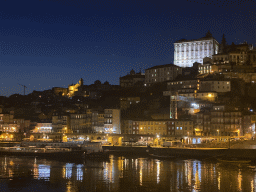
(124, 174)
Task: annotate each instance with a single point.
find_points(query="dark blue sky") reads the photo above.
(52, 43)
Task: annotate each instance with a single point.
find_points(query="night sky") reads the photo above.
(52, 43)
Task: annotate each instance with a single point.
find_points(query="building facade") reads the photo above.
(187, 52)
(126, 102)
(98, 121)
(60, 122)
(131, 79)
(43, 127)
(161, 73)
(219, 122)
(165, 127)
(112, 121)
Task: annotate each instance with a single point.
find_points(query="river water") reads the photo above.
(124, 174)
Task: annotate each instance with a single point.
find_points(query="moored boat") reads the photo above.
(94, 150)
(59, 150)
(46, 152)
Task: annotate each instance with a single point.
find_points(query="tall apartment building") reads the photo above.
(219, 122)
(187, 52)
(78, 122)
(60, 122)
(161, 73)
(112, 118)
(98, 121)
(126, 126)
(9, 124)
(81, 122)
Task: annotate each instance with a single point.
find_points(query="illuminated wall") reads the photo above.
(187, 52)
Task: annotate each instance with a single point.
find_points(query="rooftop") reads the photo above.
(163, 66)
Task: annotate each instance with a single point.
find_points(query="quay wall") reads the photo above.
(8, 144)
(185, 152)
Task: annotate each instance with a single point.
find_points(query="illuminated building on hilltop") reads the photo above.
(58, 90)
(72, 89)
(187, 52)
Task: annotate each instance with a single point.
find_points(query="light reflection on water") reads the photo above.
(124, 174)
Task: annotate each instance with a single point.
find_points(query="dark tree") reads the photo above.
(106, 83)
(208, 34)
(97, 82)
(223, 45)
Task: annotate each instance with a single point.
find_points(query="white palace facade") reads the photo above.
(187, 52)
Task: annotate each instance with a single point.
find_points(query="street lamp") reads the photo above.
(218, 131)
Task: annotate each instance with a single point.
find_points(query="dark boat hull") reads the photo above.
(161, 156)
(233, 161)
(98, 155)
(55, 155)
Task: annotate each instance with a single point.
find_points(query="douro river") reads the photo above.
(124, 174)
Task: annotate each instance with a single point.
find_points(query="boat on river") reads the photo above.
(58, 150)
(94, 150)
(46, 152)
